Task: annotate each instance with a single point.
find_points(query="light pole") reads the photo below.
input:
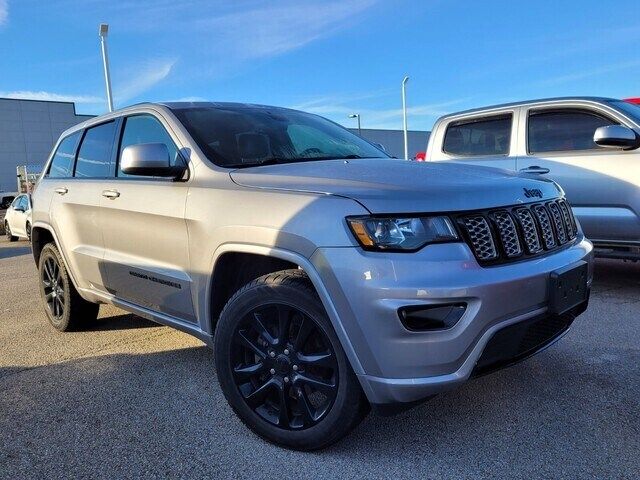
(404, 117)
(104, 30)
(357, 115)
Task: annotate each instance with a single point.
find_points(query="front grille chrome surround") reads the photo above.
(508, 234)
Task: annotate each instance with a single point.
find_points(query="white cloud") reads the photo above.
(271, 30)
(52, 97)
(4, 11)
(572, 77)
(137, 79)
(419, 116)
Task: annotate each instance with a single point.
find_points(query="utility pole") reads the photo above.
(103, 32)
(404, 117)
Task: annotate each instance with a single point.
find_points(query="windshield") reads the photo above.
(246, 136)
(629, 109)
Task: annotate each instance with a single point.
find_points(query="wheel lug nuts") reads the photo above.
(286, 351)
(272, 371)
(272, 354)
(295, 368)
(286, 379)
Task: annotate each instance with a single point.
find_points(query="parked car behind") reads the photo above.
(588, 145)
(17, 220)
(6, 198)
(305, 257)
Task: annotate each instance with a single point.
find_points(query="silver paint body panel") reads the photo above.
(153, 249)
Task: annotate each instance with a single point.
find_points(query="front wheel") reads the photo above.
(65, 308)
(281, 366)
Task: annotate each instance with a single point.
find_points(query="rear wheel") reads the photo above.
(65, 308)
(281, 366)
(7, 232)
(28, 228)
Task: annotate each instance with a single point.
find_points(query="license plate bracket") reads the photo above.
(568, 287)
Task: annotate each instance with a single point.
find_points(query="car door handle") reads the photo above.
(535, 169)
(111, 194)
(61, 190)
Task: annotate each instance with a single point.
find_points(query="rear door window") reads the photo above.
(479, 137)
(62, 162)
(563, 130)
(95, 154)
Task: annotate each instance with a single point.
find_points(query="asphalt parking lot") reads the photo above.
(131, 399)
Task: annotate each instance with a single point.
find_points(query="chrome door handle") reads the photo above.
(111, 194)
(535, 169)
(61, 190)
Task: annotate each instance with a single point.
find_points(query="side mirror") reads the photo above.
(149, 160)
(616, 136)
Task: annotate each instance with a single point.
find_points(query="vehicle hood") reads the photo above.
(399, 186)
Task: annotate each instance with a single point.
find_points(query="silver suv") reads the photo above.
(328, 277)
(588, 145)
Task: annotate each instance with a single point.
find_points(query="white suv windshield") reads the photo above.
(630, 109)
(245, 136)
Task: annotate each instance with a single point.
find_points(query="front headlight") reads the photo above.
(391, 233)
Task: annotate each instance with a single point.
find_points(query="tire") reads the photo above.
(65, 308)
(7, 232)
(301, 366)
(28, 229)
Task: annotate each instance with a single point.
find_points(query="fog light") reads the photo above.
(431, 317)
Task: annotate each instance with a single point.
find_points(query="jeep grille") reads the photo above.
(512, 233)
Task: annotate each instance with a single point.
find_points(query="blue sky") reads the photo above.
(331, 57)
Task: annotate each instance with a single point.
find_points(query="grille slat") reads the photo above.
(481, 237)
(528, 226)
(544, 221)
(557, 222)
(569, 221)
(509, 233)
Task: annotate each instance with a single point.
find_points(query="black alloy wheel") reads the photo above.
(54, 288)
(284, 366)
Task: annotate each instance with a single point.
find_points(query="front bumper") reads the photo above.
(395, 365)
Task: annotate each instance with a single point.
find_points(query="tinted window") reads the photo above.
(94, 156)
(245, 136)
(484, 136)
(146, 129)
(16, 201)
(62, 163)
(563, 130)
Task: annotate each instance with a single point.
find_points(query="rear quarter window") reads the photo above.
(62, 162)
(479, 137)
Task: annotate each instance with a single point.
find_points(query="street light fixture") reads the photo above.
(103, 32)
(404, 117)
(357, 115)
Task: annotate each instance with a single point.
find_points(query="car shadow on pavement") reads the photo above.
(126, 321)
(163, 414)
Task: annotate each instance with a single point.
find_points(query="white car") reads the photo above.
(17, 221)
